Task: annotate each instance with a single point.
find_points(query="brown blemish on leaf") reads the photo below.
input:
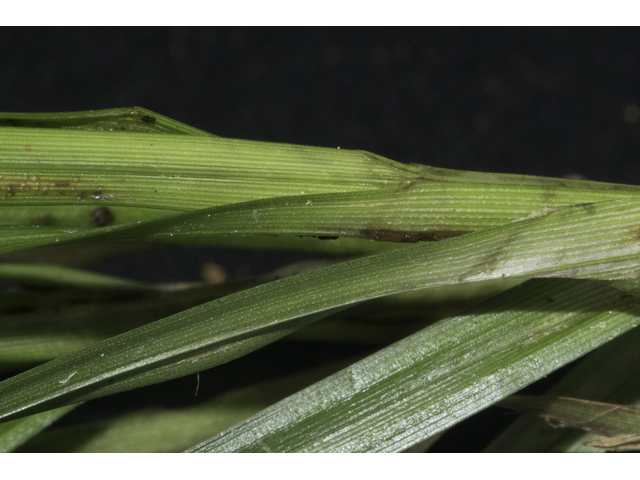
(36, 185)
(405, 236)
(148, 118)
(102, 217)
(589, 207)
(618, 443)
(27, 148)
(408, 184)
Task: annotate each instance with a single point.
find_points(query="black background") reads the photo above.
(546, 101)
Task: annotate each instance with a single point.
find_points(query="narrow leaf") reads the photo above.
(423, 385)
(594, 241)
(39, 327)
(175, 172)
(609, 375)
(134, 119)
(58, 276)
(438, 211)
(172, 430)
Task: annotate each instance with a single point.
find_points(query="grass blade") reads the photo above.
(37, 327)
(58, 276)
(438, 211)
(594, 241)
(607, 375)
(432, 380)
(618, 443)
(175, 172)
(134, 119)
(172, 430)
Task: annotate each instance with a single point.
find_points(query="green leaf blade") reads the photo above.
(420, 386)
(574, 242)
(134, 119)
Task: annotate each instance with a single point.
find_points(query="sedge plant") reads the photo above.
(467, 286)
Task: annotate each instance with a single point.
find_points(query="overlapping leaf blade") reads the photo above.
(58, 185)
(607, 375)
(67, 174)
(39, 326)
(593, 241)
(173, 430)
(422, 385)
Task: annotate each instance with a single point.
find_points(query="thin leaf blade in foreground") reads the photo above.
(432, 380)
(173, 430)
(594, 241)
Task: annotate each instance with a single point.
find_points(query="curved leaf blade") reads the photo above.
(172, 430)
(595, 241)
(609, 375)
(434, 379)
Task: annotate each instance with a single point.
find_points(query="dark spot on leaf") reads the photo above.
(11, 122)
(408, 184)
(148, 118)
(404, 236)
(102, 217)
(589, 207)
(44, 220)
